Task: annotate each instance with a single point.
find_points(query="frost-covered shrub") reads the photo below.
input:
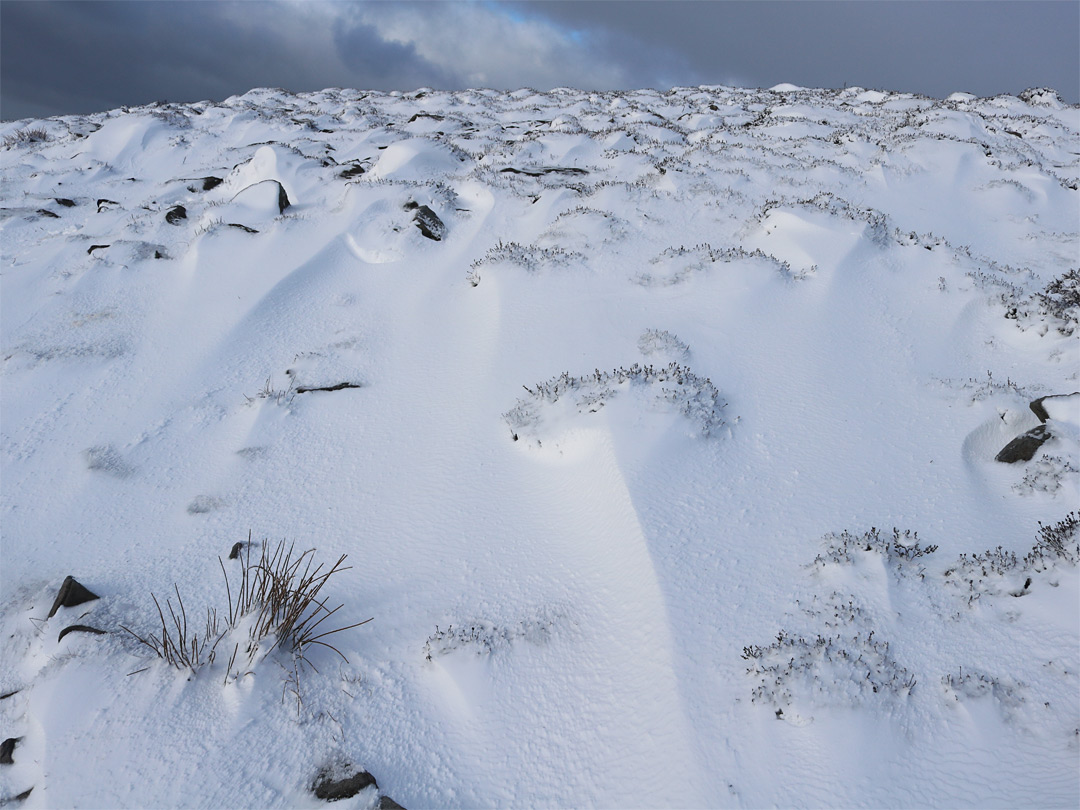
(662, 342)
(1007, 693)
(928, 240)
(1057, 305)
(1045, 474)
(676, 264)
(531, 258)
(694, 397)
(979, 389)
(843, 662)
(1060, 300)
(998, 572)
(1059, 541)
(486, 638)
(877, 222)
(838, 669)
(105, 458)
(899, 551)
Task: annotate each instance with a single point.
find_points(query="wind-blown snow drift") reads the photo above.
(607, 458)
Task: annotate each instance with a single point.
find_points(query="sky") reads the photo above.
(78, 57)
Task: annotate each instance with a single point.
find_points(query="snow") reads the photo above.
(616, 463)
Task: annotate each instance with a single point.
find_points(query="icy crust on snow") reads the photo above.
(322, 317)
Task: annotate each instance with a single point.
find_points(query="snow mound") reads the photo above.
(416, 159)
(657, 576)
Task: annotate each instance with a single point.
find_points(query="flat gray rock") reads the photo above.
(332, 790)
(1024, 446)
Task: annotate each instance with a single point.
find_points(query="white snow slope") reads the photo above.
(597, 580)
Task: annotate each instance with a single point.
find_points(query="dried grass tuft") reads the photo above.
(277, 599)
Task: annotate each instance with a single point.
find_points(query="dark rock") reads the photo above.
(45, 212)
(386, 803)
(175, 214)
(7, 748)
(209, 183)
(64, 201)
(24, 795)
(411, 205)
(158, 254)
(1023, 447)
(339, 387)
(79, 628)
(352, 171)
(235, 553)
(544, 170)
(282, 198)
(429, 223)
(332, 790)
(6, 695)
(242, 227)
(1037, 405)
(105, 205)
(72, 593)
(92, 248)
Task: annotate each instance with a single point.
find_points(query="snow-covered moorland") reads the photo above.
(659, 431)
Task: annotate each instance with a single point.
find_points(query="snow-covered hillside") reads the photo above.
(659, 430)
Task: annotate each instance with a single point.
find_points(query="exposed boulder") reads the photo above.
(332, 789)
(1024, 447)
(71, 593)
(175, 214)
(283, 198)
(209, 183)
(429, 223)
(1057, 406)
(7, 748)
(45, 212)
(64, 201)
(353, 171)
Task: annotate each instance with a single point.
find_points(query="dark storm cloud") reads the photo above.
(933, 48)
(366, 54)
(68, 57)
